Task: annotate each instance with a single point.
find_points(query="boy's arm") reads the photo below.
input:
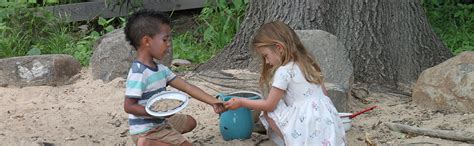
(131, 106)
(197, 93)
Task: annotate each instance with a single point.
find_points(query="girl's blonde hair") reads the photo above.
(277, 32)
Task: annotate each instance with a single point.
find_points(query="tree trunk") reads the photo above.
(390, 41)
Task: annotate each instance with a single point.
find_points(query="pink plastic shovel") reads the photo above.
(361, 112)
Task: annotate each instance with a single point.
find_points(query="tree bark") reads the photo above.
(390, 41)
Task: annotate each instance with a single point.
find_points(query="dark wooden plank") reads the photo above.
(90, 10)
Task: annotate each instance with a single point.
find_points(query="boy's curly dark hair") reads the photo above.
(142, 23)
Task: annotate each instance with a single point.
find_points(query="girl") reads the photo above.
(305, 116)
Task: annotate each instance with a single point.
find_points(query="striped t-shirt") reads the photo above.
(142, 83)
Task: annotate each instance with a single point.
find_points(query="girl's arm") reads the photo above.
(324, 89)
(197, 93)
(269, 104)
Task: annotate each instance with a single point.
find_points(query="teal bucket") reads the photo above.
(237, 124)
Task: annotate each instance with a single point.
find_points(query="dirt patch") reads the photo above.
(396, 108)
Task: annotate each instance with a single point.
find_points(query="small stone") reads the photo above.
(180, 62)
(70, 139)
(83, 28)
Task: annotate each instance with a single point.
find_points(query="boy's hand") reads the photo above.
(233, 104)
(218, 107)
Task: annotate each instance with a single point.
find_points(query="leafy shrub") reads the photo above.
(453, 21)
(26, 30)
(217, 24)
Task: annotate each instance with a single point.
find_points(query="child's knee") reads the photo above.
(191, 123)
(142, 141)
(186, 143)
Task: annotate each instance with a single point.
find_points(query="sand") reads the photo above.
(90, 112)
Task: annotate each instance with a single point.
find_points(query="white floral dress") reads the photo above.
(305, 116)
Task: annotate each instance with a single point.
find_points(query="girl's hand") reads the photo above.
(218, 107)
(233, 103)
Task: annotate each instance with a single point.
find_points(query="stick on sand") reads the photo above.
(452, 135)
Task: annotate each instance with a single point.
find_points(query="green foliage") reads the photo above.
(26, 30)
(107, 25)
(453, 22)
(84, 46)
(29, 30)
(186, 47)
(217, 25)
(34, 31)
(21, 28)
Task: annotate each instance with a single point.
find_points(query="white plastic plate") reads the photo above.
(167, 95)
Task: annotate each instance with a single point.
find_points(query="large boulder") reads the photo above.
(38, 70)
(113, 55)
(448, 86)
(333, 58)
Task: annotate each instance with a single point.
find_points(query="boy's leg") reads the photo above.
(161, 135)
(144, 142)
(182, 123)
(186, 143)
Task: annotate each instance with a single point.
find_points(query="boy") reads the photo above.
(149, 32)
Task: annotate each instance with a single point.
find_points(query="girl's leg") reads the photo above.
(273, 125)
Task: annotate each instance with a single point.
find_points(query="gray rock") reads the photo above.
(38, 70)
(333, 58)
(339, 96)
(448, 86)
(113, 55)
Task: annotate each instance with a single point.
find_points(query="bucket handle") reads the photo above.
(222, 95)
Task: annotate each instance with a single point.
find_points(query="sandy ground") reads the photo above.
(90, 112)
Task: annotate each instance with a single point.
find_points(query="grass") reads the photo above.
(217, 25)
(453, 22)
(30, 30)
